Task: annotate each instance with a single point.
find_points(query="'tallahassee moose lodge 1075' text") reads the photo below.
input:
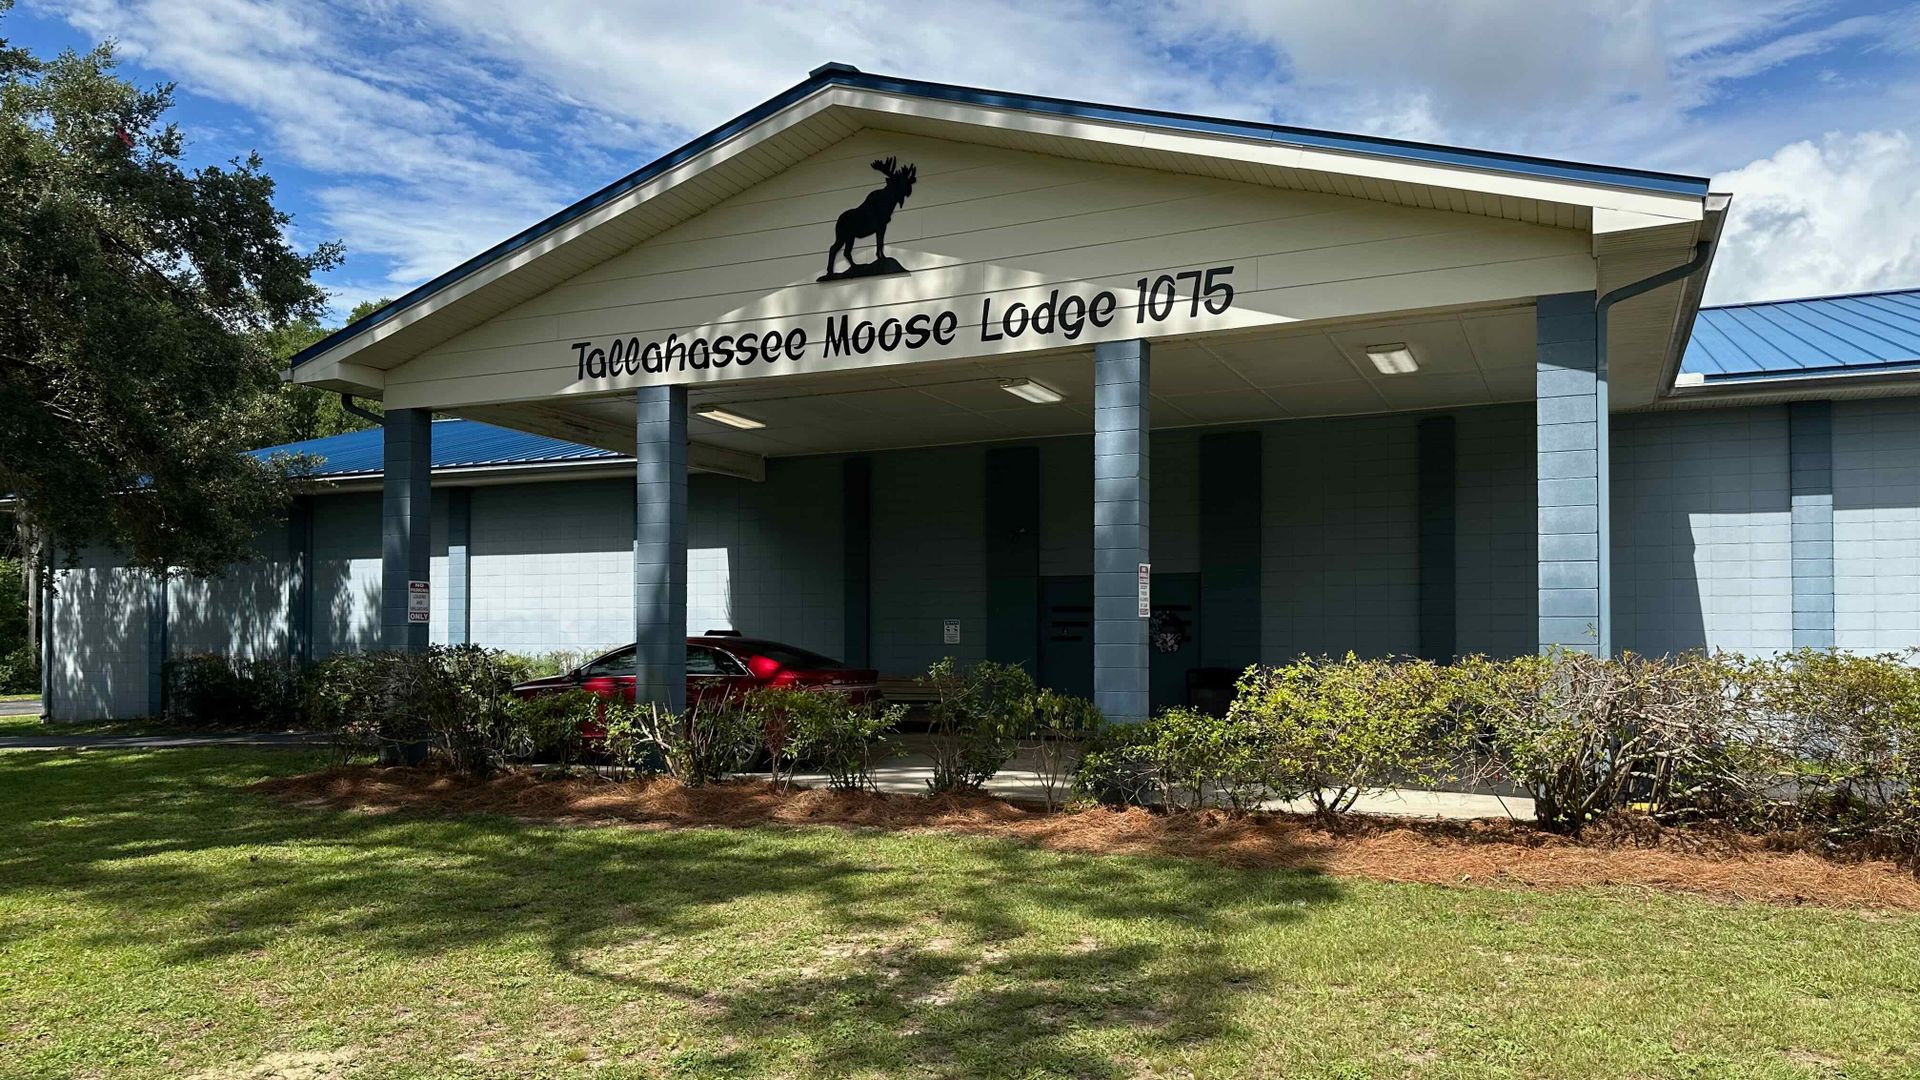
(1187, 294)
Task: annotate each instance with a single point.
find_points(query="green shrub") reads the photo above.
(456, 698)
(1334, 729)
(1852, 726)
(547, 727)
(208, 691)
(978, 714)
(699, 745)
(19, 664)
(1677, 737)
(1179, 758)
(1063, 726)
(823, 729)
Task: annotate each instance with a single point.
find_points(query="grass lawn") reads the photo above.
(156, 920)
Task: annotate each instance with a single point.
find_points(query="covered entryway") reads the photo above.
(1226, 390)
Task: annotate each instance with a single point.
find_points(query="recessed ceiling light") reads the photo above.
(722, 416)
(1028, 390)
(1394, 359)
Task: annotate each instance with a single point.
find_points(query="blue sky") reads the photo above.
(422, 132)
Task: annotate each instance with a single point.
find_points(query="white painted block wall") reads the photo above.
(1876, 524)
(1702, 539)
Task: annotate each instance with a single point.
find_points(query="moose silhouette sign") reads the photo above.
(870, 218)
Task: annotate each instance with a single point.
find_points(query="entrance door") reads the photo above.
(1173, 636)
(1066, 635)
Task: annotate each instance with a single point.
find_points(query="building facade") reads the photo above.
(1130, 398)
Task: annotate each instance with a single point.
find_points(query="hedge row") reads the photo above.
(1821, 741)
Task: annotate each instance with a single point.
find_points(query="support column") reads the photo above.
(1121, 505)
(459, 566)
(406, 527)
(1810, 453)
(660, 546)
(157, 618)
(1570, 468)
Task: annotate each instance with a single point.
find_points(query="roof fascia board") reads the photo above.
(553, 233)
(1484, 178)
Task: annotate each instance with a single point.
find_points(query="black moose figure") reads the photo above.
(870, 218)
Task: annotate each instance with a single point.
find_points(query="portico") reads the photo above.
(1077, 285)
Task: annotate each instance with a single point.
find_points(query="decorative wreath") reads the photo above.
(1168, 631)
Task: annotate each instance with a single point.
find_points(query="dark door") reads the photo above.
(1066, 635)
(1173, 638)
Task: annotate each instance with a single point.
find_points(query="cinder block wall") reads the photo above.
(1701, 543)
(1702, 553)
(1876, 524)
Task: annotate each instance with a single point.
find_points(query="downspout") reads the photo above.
(1702, 254)
(361, 411)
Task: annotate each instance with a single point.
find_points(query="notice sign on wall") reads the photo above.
(419, 602)
(950, 632)
(1146, 590)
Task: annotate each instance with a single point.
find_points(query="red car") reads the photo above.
(719, 666)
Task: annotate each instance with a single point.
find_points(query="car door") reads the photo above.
(712, 676)
(610, 676)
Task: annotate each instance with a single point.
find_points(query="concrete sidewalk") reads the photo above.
(29, 707)
(909, 773)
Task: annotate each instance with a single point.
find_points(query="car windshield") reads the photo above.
(789, 657)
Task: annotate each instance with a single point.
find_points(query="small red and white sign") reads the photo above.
(419, 601)
(1146, 590)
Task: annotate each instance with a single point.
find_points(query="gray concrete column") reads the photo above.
(1571, 472)
(1810, 453)
(158, 615)
(660, 545)
(1121, 502)
(459, 566)
(406, 526)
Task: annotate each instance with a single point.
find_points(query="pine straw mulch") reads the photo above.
(1721, 864)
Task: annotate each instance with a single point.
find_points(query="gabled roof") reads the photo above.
(1822, 335)
(789, 138)
(457, 444)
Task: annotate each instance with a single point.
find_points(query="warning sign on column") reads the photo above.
(1146, 590)
(419, 602)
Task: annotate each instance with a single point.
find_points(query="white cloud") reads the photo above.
(438, 128)
(1838, 215)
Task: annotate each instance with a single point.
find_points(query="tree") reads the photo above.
(139, 301)
(300, 412)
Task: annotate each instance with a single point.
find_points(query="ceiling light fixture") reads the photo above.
(1394, 359)
(722, 416)
(1028, 390)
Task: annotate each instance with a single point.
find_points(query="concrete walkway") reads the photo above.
(29, 707)
(909, 773)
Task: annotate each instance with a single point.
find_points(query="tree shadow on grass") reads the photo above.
(938, 955)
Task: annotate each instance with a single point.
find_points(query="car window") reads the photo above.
(612, 665)
(702, 660)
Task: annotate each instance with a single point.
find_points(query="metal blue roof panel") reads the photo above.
(457, 444)
(1819, 334)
